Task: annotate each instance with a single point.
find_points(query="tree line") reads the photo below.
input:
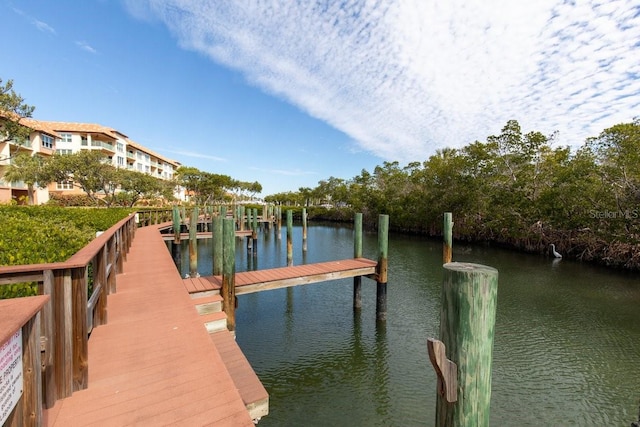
(514, 188)
(105, 185)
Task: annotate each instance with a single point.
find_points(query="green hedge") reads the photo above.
(43, 234)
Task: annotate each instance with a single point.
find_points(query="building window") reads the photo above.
(120, 161)
(120, 147)
(146, 158)
(139, 155)
(65, 137)
(47, 141)
(84, 141)
(146, 169)
(139, 167)
(64, 151)
(64, 185)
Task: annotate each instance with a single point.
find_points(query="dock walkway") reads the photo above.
(282, 277)
(154, 362)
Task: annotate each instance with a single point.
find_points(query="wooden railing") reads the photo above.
(153, 216)
(71, 313)
(21, 361)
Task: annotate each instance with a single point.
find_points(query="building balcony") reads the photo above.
(15, 185)
(18, 146)
(105, 146)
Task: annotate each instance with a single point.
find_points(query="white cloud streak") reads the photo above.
(40, 25)
(86, 47)
(285, 172)
(44, 27)
(406, 77)
(195, 155)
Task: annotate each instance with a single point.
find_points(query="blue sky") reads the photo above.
(289, 93)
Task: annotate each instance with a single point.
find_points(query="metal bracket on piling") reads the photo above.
(446, 370)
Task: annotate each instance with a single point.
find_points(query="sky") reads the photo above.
(288, 93)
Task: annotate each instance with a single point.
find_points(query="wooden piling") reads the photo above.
(448, 238)
(249, 239)
(304, 229)
(176, 247)
(254, 232)
(176, 225)
(279, 221)
(381, 273)
(217, 241)
(289, 237)
(357, 253)
(193, 243)
(241, 218)
(467, 321)
(228, 289)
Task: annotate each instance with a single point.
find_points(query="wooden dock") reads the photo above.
(274, 278)
(204, 235)
(155, 362)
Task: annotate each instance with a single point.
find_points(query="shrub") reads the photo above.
(44, 234)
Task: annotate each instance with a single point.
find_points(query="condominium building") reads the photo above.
(41, 142)
(49, 137)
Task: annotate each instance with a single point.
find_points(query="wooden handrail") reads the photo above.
(20, 329)
(65, 342)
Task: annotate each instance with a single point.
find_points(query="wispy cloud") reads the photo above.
(86, 47)
(40, 25)
(285, 172)
(405, 78)
(194, 154)
(43, 26)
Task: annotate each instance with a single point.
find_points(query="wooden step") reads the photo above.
(252, 392)
(215, 322)
(209, 304)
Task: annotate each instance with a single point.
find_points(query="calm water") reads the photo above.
(566, 350)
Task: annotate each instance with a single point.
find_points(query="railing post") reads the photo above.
(48, 342)
(80, 332)
(32, 371)
(63, 333)
(100, 278)
(112, 262)
(120, 252)
(357, 253)
(381, 273)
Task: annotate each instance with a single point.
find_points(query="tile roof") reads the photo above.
(29, 122)
(82, 127)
